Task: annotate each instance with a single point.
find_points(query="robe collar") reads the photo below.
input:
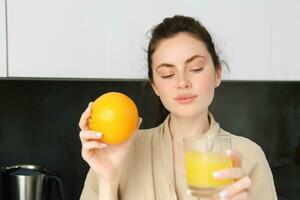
(163, 162)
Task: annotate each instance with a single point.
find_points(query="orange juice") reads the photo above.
(200, 167)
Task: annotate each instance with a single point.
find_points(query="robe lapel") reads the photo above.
(163, 163)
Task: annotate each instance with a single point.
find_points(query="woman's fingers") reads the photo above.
(236, 188)
(83, 122)
(239, 189)
(236, 157)
(234, 173)
(241, 196)
(89, 135)
(137, 128)
(139, 123)
(183, 171)
(88, 147)
(93, 145)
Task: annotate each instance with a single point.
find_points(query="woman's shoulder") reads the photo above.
(146, 134)
(140, 154)
(143, 138)
(243, 142)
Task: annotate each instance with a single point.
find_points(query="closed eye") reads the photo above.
(167, 76)
(197, 69)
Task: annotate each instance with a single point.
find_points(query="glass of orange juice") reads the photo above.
(203, 156)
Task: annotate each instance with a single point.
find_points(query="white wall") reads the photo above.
(3, 65)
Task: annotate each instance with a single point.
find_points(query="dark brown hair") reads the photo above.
(169, 27)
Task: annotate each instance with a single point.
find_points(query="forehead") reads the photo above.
(178, 48)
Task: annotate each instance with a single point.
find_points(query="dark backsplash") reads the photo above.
(39, 120)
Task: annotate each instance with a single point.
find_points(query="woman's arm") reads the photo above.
(262, 182)
(97, 189)
(105, 161)
(108, 190)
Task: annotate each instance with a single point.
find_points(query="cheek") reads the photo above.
(162, 89)
(207, 83)
(207, 88)
(160, 86)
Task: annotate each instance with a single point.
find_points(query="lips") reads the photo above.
(185, 98)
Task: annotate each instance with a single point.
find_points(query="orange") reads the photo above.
(115, 115)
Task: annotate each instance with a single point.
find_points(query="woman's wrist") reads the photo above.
(108, 189)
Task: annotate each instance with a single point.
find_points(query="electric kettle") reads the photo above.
(28, 182)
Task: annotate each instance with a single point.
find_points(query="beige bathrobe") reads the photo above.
(149, 170)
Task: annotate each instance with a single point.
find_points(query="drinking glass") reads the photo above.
(203, 156)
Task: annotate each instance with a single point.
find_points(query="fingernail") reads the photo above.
(98, 135)
(228, 151)
(223, 195)
(217, 174)
(189, 192)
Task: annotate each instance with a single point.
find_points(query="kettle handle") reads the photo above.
(59, 184)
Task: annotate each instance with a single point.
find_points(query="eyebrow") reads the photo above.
(186, 62)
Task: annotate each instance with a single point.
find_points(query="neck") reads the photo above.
(188, 126)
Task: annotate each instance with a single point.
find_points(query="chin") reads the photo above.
(192, 110)
(187, 113)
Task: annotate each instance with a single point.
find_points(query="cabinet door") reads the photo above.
(107, 39)
(286, 39)
(3, 54)
(74, 39)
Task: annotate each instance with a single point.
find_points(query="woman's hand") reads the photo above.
(239, 190)
(105, 159)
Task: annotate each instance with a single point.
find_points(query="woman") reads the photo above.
(184, 70)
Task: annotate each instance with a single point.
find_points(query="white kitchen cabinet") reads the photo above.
(107, 39)
(75, 39)
(286, 40)
(3, 65)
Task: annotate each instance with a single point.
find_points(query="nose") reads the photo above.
(183, 82)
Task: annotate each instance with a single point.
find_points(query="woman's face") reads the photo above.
(184, 76)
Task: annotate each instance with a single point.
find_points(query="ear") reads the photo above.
(154, 89)
(218, 76)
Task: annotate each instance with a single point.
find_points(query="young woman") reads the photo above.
(184, 71)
